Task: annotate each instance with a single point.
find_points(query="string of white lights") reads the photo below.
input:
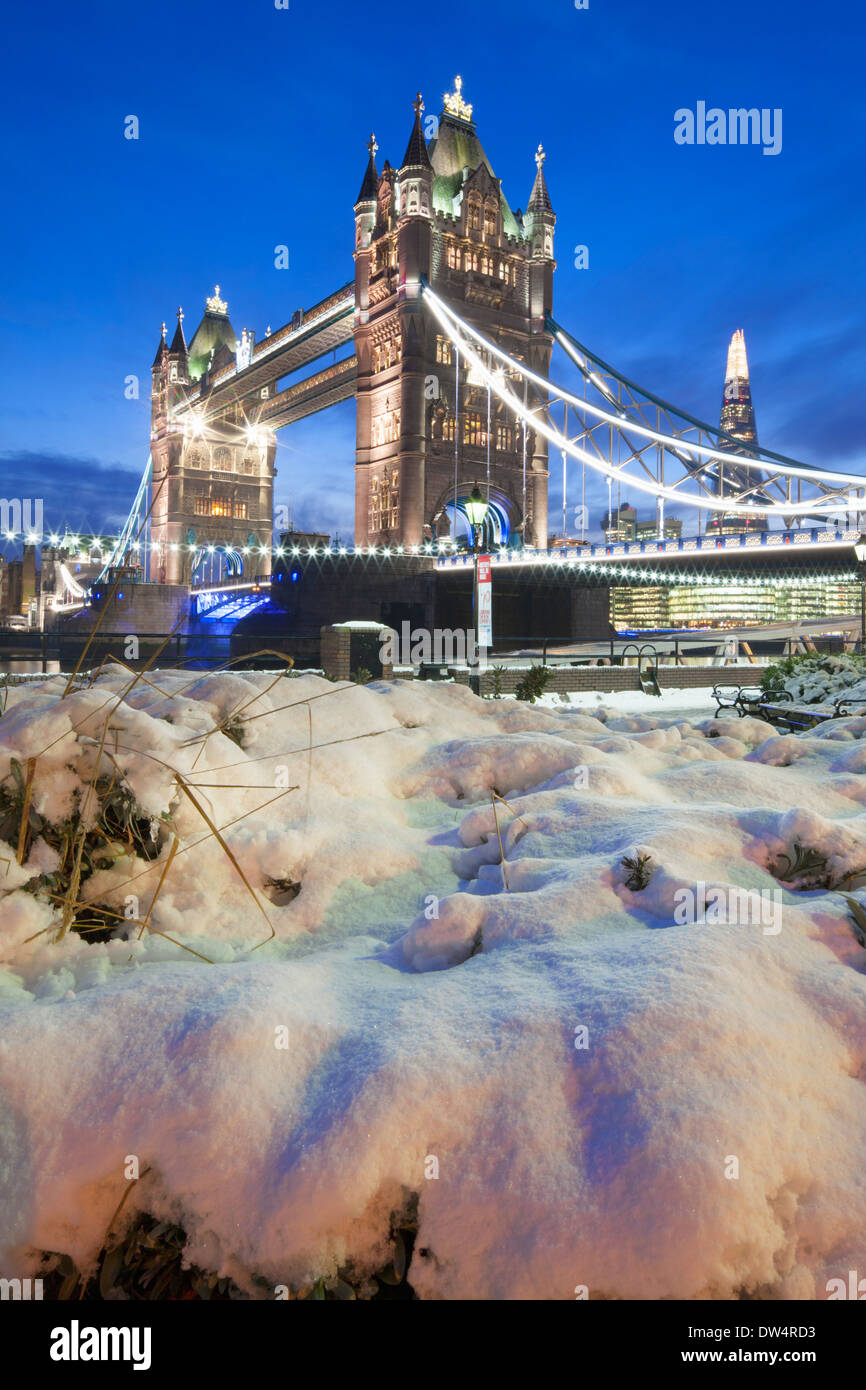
(619, 419)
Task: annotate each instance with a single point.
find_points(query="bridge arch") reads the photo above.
(502, 519)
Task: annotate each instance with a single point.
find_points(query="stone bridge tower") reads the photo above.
(443, 216)
(212, 476)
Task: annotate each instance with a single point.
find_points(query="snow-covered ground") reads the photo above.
(565, 1076)
(697, 701)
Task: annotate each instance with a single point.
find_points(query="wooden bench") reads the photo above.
(798, 717)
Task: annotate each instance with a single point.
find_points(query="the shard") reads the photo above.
(740, 436)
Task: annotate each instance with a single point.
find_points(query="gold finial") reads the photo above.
(215, 304)
(454, 103)
(540, 156)
(179, 314)
(372, 146)
(418, 104)
(163, 330)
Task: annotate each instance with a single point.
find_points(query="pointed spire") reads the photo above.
(738, 366)
(178, 342)
(416, 155)
(370, 186)
(161, 348)
(540, 198)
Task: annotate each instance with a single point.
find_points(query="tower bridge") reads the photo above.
(448, 333)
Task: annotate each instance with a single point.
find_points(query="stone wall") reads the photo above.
(611, 678)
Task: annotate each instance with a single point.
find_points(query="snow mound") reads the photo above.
(421, 967)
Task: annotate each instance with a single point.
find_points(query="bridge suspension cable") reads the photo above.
(748, 498)
(138, 508)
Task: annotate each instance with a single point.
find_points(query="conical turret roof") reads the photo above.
(178, 342)
(370, 185)
(416, 155)
(161, 347)
(539, 200)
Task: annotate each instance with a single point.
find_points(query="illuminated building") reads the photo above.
(738, 422)
(423, 432)
(732, 602)
(623, 525)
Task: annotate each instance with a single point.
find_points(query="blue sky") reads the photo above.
(253, 124)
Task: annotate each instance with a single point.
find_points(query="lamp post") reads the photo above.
(476, 510)
(860, 552)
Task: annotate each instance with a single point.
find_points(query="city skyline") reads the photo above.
(660, 297)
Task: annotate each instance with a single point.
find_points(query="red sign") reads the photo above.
(485, 602)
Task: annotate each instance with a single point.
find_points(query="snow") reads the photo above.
(433, 996)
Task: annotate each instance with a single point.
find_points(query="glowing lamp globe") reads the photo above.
(476, 508)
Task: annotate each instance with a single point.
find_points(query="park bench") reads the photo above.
(746, 699)
(796, 718)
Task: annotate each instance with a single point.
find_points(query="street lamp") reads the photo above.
(860, 552)
(476, 510)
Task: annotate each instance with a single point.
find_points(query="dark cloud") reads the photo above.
(77, 491)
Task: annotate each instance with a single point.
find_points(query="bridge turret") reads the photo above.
(159, 378)
(365, 222)
(170, 375)
(416, 171)
(539, 222)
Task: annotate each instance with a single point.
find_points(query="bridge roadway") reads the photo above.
(310, 335)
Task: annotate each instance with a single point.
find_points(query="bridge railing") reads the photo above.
(259, 581)
(689, 545)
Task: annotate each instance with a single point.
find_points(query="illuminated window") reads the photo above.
(504, 437)
(474, 216)
(240, 510)
(470, 259)
(489, 219)
(443, 350)
(220, 506)
(474, 429)
(222, 460)
(453, 256)
(384, 501)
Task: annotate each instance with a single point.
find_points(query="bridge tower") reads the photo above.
(421, 417)
(212, 474)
